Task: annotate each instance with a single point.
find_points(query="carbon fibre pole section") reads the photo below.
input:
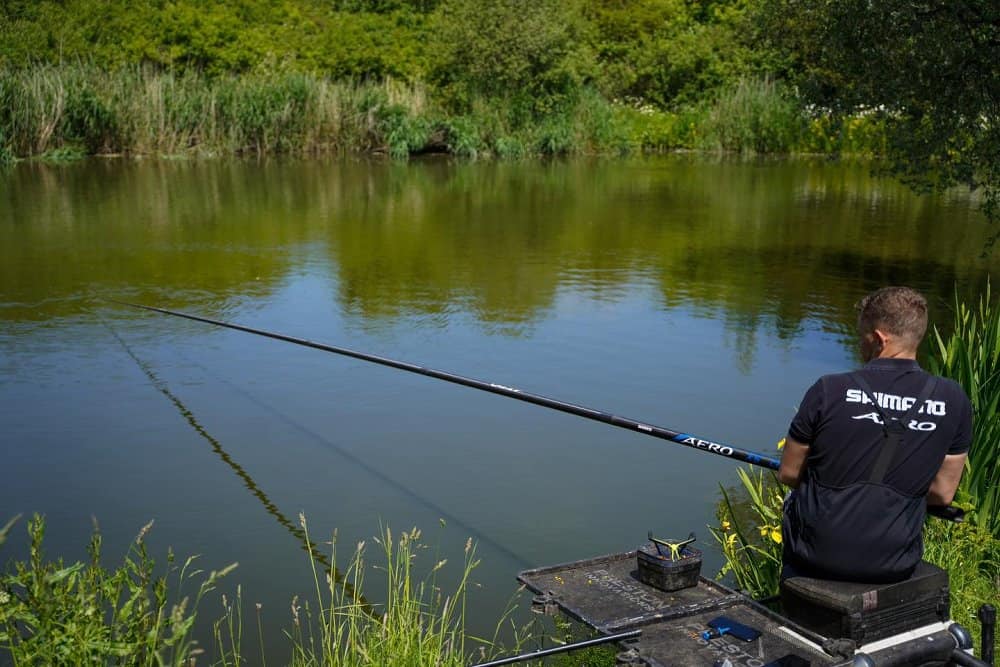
(677, 437)
(541, 653)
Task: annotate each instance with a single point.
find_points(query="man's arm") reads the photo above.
(793, 462)
(942, 490)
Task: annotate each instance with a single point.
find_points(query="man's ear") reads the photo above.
(882, 337)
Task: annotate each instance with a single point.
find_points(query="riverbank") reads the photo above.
(69, 111)
(84, 612)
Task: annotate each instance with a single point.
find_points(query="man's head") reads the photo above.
(892, 319)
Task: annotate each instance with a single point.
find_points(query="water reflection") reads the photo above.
(771, 245)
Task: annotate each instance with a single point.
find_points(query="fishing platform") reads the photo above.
(687, 620)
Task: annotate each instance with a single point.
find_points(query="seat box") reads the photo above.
(867, 612)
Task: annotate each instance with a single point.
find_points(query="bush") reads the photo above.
(667, 52)
(528, 53)
(6, 154)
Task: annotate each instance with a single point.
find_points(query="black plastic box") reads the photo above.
(659, 571)
(868, 612)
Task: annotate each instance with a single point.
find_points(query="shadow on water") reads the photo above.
(315, 437)
(307, 545)
(477, 535)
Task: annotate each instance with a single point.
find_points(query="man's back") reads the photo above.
(876, 439)
(844, 431)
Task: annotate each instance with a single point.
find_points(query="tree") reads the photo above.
(930, 67)
(529, 53)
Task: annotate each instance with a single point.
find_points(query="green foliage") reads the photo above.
(750, 116)
(69, 111)
(528, 53)
(970, 355)
(462, 136)
(971, 555)
(860, 134)
(55, 614)
(417, 625)
(670, 52)
(403, 132)
(928, 68)
(650, 129)
(367, 39)
(67, 153)
(751, 538)
(73, 110)
(386, 6)
(507, 78)
(6, 154)
(755, 116)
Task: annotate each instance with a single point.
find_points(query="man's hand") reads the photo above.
(793, 462)
(942, 490)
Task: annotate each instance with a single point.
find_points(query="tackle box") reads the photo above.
(868, 612)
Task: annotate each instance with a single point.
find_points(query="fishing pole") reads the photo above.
(565, 648)
(660, 432)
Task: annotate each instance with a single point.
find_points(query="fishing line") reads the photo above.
(297, 531)
(439, 511)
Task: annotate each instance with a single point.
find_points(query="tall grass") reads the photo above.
(751, 117)
(970, 355)
(74, 109)
(142, 111)
(57, 614)
(755, 116)
(417, 625)
(78, 109)
(51, 613)
(971, 555)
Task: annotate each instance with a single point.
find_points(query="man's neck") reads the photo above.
(893, 352)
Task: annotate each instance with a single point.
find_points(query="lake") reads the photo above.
(704, 295)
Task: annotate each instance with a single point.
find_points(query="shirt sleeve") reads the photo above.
(963, 433)
(806, 421)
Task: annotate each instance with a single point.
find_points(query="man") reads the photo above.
(868, 451)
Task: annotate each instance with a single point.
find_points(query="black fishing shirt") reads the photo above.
(857, 516)
(842, 427)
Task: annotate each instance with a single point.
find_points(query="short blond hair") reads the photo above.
(900, 311)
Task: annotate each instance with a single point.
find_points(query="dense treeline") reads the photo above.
(657, 50)
(506, 77)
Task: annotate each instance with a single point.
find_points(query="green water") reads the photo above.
(697, 294)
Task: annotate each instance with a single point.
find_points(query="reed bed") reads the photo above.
(141, 111)
(72, 110)
(755, 116)
(970, 355)
(68, 111)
